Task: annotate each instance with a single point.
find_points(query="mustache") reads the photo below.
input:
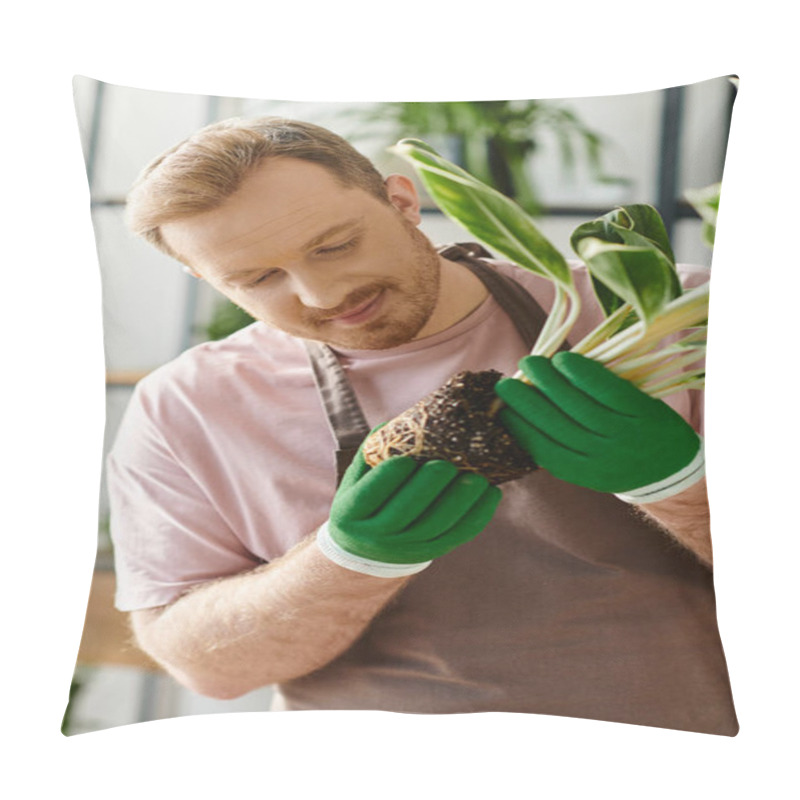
(317, 316)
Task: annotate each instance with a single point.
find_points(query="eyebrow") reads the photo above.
(309, 245)
(332, 231)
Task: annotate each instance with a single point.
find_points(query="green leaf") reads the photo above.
(490, 216)
(706, 203)
(639, 225)
(641, 221)
(639, 229)
(641, 276)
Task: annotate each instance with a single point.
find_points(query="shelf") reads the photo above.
(107, 639)
(125, 377)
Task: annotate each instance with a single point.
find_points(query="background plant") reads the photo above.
(495, 140)
(705, 202)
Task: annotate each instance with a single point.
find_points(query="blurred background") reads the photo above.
(566, 161)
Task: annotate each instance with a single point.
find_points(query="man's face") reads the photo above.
(299, 251)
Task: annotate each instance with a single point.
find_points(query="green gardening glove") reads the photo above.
(587, 426)
(394, 519)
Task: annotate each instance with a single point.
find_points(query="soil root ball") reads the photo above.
(453, 424)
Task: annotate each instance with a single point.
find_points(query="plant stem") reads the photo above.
(678, 383)
(686, 311)
(562, 317)
(604, 331)
(668, 365)
(554, 318)
(633, 362)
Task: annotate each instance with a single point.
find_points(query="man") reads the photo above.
(408, 587)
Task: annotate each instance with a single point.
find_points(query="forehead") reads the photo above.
(282, 204)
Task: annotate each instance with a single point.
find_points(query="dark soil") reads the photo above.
(453, 424)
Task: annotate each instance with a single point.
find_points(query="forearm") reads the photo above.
(278, 622)
(686, 517)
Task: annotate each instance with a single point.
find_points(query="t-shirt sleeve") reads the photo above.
(167, 534)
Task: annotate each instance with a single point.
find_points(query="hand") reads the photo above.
(590, 427)
(404, 513)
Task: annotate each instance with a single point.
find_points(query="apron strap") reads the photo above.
(526, 314)
(346, 420)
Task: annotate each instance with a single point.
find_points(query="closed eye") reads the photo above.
(339, 248)
(332, 250)
(262, 278)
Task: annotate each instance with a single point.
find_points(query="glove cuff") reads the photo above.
(379, 569)
(667, 487)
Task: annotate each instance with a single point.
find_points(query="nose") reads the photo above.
(315, 290)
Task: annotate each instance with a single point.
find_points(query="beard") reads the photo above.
(410, 301)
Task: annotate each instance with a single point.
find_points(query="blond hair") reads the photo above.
(200, 172)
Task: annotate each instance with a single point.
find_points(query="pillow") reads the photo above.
(220, 454)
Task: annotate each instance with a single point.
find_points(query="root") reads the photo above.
(454, 424)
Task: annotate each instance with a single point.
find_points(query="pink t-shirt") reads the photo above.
(224, 458)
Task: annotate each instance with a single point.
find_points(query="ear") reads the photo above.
(403, 196)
